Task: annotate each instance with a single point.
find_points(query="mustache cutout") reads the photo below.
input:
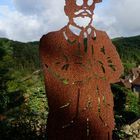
(83, 13)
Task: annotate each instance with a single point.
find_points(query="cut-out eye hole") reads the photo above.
(79, 2)
(90, 2)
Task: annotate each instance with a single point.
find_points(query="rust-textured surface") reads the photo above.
(78, 71)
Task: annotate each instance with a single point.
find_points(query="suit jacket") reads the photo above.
(78, 72)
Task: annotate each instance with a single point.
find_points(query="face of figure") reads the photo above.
(80, 12)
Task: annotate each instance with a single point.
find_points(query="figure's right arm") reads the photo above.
(49, 52)
(42, 51)
(45, 48)
(48, 47)
(42, 48)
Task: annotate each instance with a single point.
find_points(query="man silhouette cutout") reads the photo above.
(79, 64)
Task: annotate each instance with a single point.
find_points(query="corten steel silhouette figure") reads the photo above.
(78, 70)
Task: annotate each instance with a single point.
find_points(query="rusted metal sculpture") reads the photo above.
(78, 70)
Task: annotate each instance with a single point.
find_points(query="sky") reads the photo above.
(28, 20)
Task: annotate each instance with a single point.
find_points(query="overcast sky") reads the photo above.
(28, 20)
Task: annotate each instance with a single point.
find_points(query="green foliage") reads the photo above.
(127, 108)
(125, 102)
(23, 103)
(24, 56)
(129, 51)
(132, 103)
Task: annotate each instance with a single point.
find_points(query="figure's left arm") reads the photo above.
(114, 64)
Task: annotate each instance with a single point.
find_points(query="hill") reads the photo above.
(23, 104)
(129, 51)
(26, 54)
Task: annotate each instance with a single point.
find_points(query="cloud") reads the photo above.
(127, 16)
(30, 19)
(120, 18)
(18, 26)
(30, 7)
(3, 33)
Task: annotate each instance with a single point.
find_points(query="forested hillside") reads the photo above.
(23, 104)
(23, 55)
(129, 51)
